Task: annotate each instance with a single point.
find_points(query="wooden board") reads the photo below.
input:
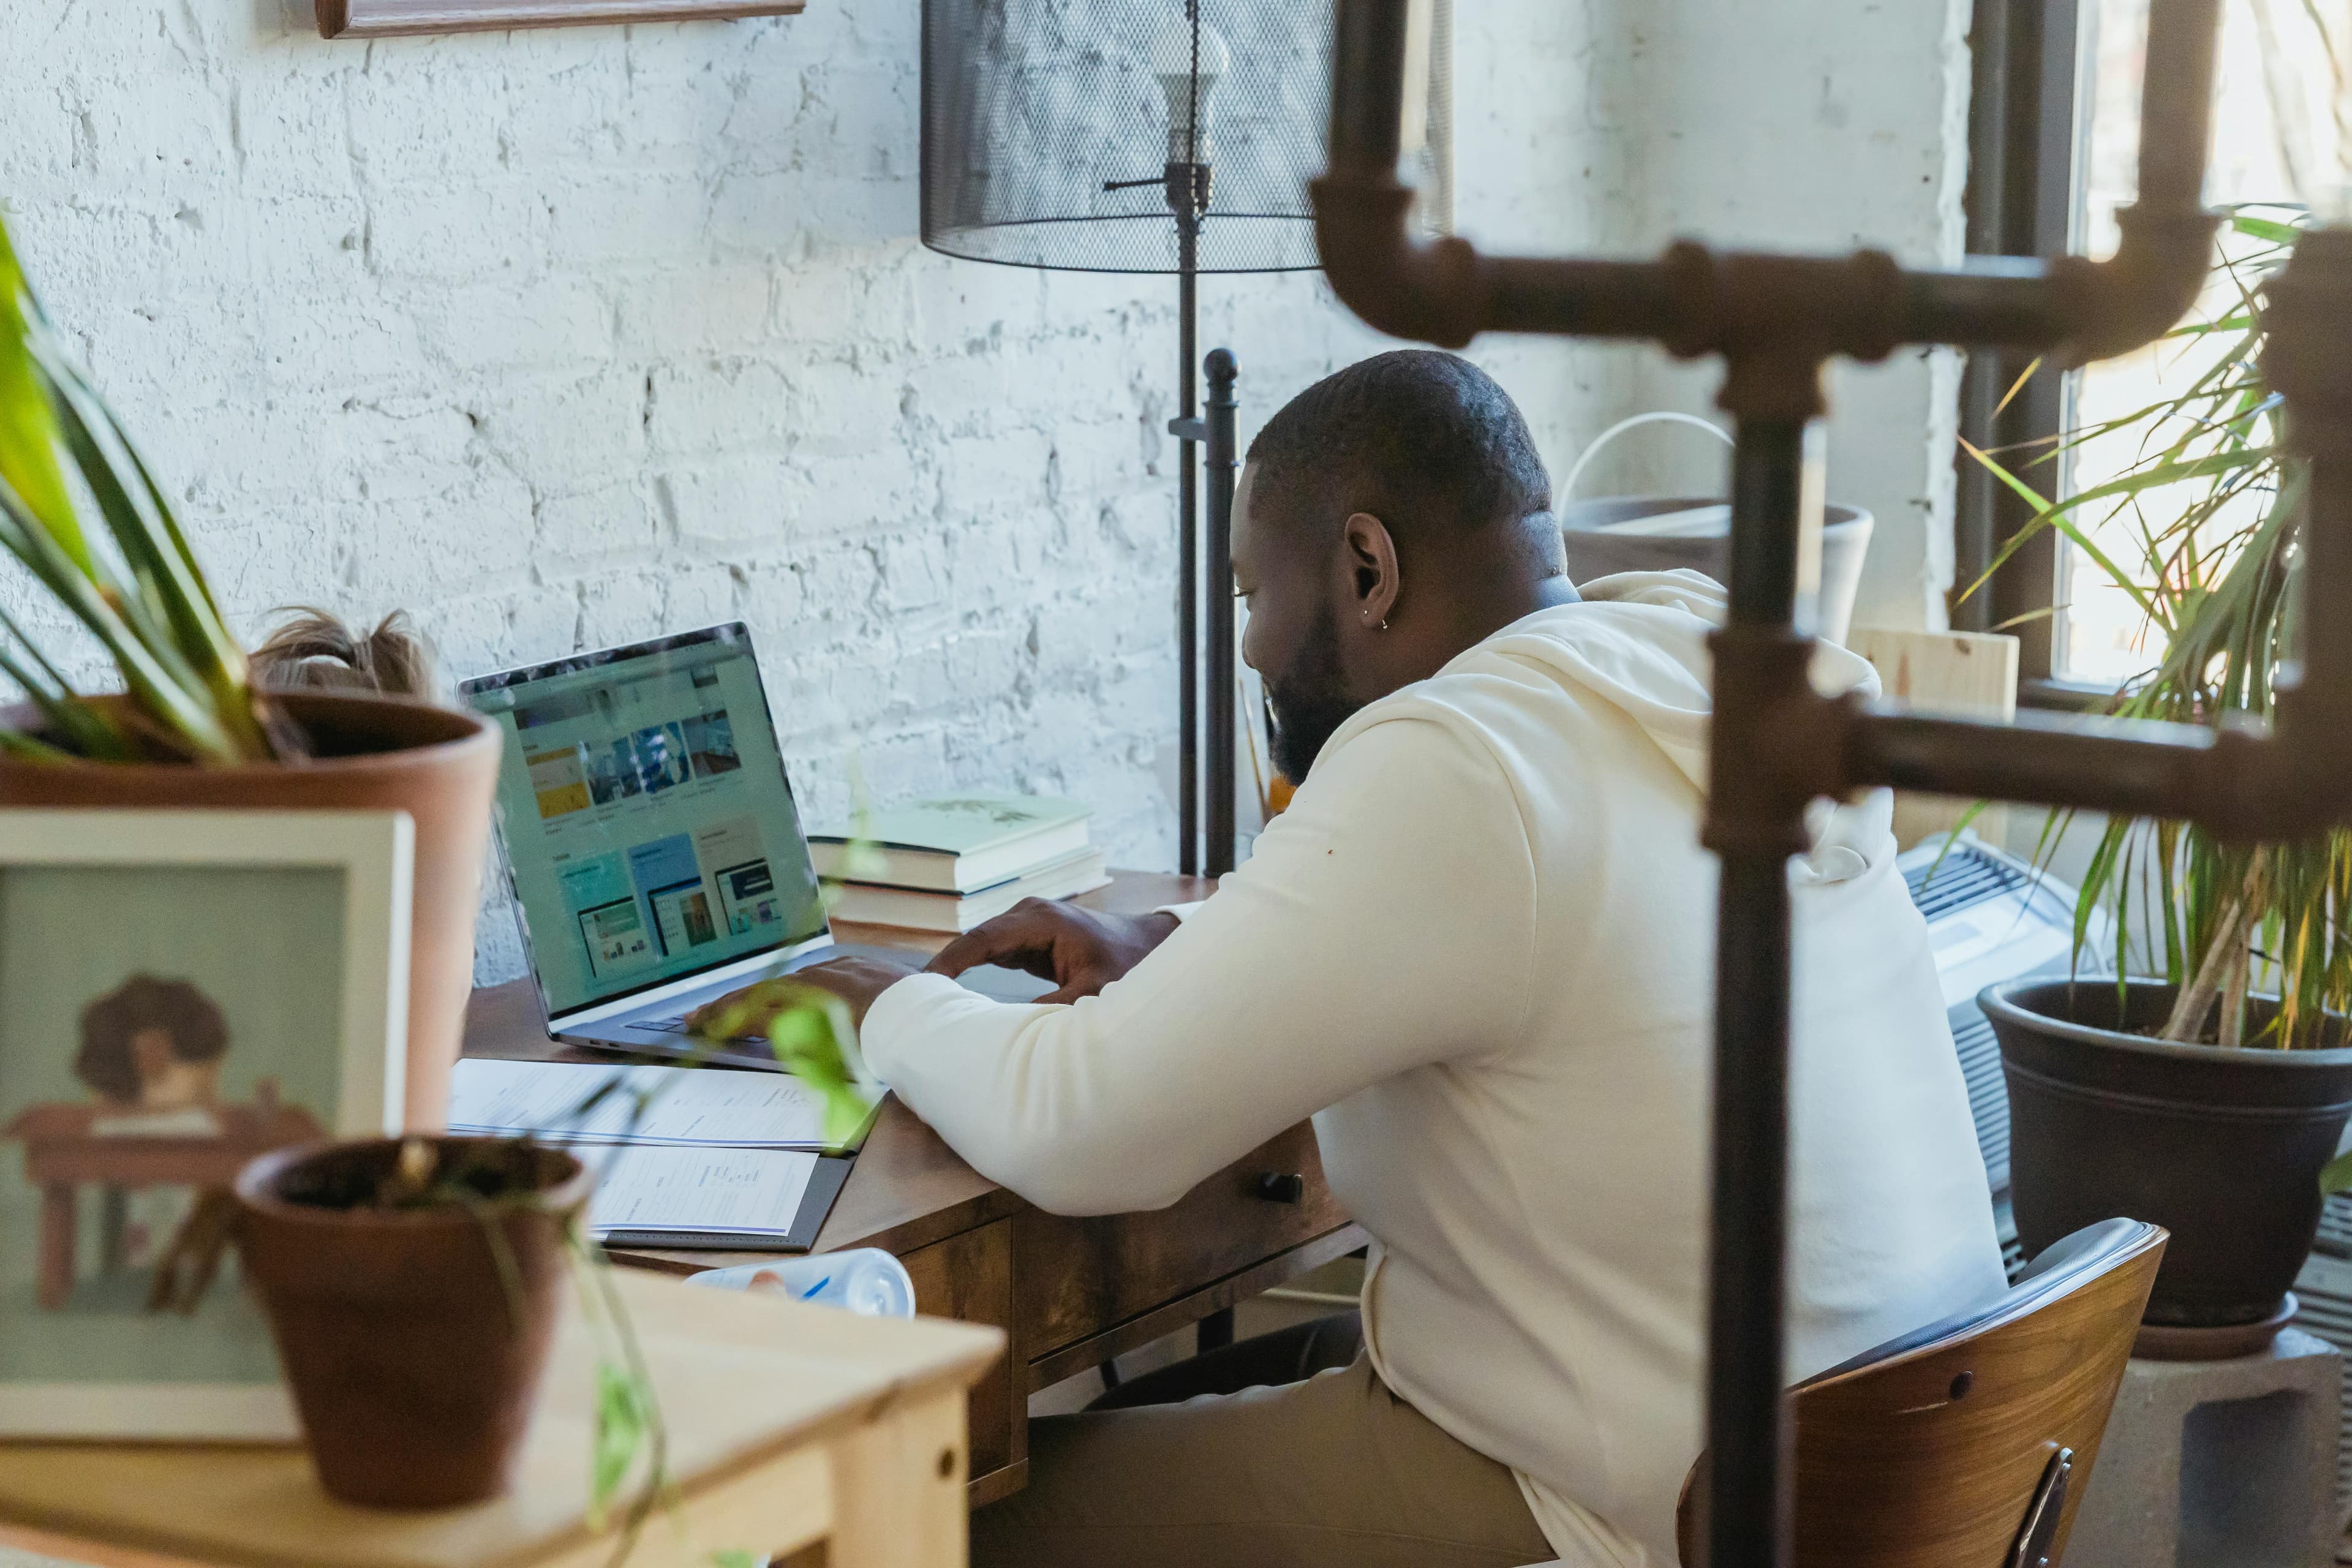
(745, 1383)
(969, 1278)
(383, 18)
(1969, 675)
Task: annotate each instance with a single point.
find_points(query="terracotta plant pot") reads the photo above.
(2222, 1147)
(414, 1353)
(373, 753)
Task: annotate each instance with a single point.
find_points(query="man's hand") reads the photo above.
(1078, 949)
(856, 981)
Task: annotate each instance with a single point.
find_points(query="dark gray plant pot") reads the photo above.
(1595, 548)
(2222, 1147)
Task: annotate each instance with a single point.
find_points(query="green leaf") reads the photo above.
(28, 439)
(2335, 1176)
(2264, 228)
(620, 1435)
(184, 672)
(158, 681)
(27, 749)
(736, 1557)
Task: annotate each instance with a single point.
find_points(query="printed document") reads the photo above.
(681, 1106)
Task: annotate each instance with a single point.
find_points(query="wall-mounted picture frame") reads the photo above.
(386, 18)
(180, 991)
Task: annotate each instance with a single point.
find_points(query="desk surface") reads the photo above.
(909, 1189)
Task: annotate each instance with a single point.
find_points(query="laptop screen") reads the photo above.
(646, 818)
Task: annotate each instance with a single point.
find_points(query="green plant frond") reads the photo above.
(2050, 515)
(2237, 320)
(171, 522)
(2026, 618)
(2264, 228)
(2016, 386)
(83, 727)
(164, 580)
(30, 462)
(143, 597)
(24, 748)
(168, 695)
(178, 606)
(72, 719)
(158, 679)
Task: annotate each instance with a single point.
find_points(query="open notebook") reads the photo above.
(713, 1159)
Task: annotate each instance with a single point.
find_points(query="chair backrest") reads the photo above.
(1965, 1444)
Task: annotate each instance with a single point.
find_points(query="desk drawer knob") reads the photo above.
(1278, 1187)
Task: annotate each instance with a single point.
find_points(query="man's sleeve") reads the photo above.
(1385, 922)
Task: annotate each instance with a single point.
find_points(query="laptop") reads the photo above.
(652, 848)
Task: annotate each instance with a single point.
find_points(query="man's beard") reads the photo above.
(1310, 699)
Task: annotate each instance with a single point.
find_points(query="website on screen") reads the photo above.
(642, 845)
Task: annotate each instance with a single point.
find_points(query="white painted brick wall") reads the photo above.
(1818, 126)
(564, 338)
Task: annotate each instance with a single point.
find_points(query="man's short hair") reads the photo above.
(1425, 441)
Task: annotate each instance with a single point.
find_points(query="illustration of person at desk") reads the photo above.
(155, 1136)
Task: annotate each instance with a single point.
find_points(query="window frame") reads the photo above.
(2028, 138)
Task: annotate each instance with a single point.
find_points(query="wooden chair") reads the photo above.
(1965, 1444)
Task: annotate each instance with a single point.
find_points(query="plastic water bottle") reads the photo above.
(865, 1280)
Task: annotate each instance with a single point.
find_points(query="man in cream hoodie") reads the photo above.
(1477, 949)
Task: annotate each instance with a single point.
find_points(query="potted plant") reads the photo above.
(86, 519)
(413, 1285)
(2205, 1082)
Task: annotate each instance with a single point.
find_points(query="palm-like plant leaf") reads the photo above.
(143, 598)
(2214, 578)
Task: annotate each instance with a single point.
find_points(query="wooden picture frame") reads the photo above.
(386, 18)
(180, 991)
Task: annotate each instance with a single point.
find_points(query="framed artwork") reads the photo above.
(380, 18)
(180, 991)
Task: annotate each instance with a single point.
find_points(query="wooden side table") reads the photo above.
(798, 1433)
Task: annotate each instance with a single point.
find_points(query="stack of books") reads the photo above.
(948, 864)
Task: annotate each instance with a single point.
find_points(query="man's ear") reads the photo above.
(1372, 577)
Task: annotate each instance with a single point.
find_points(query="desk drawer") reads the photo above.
(1076, 1277)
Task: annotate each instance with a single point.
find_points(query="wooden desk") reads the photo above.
(796, 1432)
(1069, 1293)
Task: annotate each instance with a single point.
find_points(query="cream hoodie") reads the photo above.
(1478, 949)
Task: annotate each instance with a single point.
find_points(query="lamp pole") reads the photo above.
(1187, 182)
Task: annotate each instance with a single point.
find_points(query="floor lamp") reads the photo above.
(1146, 136)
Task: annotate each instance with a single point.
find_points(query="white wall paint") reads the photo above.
(562, 338)
(1822, 126)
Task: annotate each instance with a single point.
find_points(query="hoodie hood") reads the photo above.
(1638, 640)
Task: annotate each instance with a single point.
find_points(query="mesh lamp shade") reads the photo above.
(1031, 108)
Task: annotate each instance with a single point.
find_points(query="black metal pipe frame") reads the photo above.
(1776, 744)
(1223, 461)
(1187, 611)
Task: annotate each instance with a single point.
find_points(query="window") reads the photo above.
(2054, 136)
